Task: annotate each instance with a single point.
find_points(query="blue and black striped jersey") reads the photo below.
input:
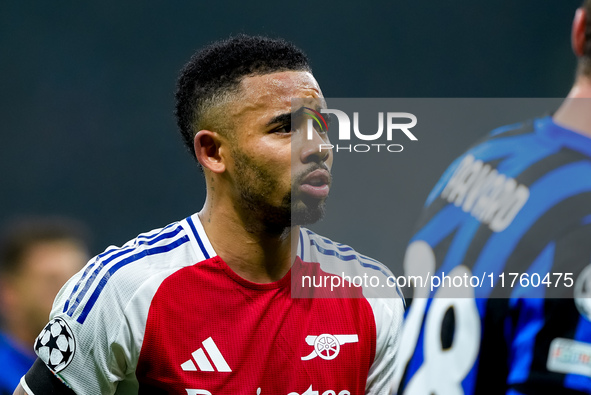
(516, 206)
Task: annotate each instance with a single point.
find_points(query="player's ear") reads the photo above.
(578, 32)
(207, 150)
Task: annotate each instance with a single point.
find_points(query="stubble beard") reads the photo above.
(256, 185)
(305, 210)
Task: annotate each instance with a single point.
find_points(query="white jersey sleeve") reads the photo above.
(93, 340)
(389, 316)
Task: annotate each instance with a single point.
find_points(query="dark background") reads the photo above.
(87, 126)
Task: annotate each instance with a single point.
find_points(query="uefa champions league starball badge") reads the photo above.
(55, 345)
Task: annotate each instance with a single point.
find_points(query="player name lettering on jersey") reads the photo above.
(489, 196)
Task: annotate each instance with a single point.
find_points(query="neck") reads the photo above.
(249, 249)
(574, 112)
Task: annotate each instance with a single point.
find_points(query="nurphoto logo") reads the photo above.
(395, 122)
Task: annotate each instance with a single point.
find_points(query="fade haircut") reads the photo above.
(212, 77)
(585, 60)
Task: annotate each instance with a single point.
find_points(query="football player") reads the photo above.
(515, 206)
(204, 305)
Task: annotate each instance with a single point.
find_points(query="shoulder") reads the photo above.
(541, 137)
(332, 255)
(118, 274)
(104, 308)
(376, 279)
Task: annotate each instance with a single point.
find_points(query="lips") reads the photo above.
(316, 184)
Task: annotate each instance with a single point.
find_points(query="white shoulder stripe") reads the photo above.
(199, 240)
(98, 273)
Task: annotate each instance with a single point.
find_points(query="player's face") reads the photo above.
(279, 173)
(45, 269)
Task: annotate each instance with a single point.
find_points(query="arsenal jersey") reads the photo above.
(164, 314)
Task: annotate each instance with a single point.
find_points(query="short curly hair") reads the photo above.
(215, 72)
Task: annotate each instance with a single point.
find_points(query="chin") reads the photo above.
(306, 214)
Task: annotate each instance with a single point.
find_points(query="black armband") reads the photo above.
(42, 381)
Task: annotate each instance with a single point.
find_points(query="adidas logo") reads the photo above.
(202, 361)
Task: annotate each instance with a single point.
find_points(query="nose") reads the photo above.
(317, 149)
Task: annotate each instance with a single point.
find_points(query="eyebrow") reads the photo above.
(288, 116)
(281, 118)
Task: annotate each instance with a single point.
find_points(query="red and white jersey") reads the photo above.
(164, 314)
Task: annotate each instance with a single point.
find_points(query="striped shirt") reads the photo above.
(517, 202)
(165, 314)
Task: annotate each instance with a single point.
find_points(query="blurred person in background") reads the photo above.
(37, 256)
